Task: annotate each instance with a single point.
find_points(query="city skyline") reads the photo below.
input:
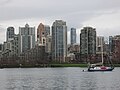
(60, 44)
(16, 31)
(79, 13)
(23, 46)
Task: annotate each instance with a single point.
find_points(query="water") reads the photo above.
(58, 79)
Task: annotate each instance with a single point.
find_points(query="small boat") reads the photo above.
(100, 66)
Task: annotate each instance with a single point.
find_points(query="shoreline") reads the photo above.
(49, 65)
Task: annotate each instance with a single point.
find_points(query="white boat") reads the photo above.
(100, 66)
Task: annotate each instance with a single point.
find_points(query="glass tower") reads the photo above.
(59, 41)
(73, 36)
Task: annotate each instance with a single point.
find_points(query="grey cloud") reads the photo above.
(2, 34)
(109, 31)
(46, 8)
(2, 29)
(4, 2)
(74, 12)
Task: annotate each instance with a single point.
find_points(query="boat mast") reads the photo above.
(102, 50)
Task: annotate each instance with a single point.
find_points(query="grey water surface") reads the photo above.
(71, 78)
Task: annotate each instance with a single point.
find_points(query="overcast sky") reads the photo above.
(104, 15)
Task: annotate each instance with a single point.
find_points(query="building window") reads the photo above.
(43, 33)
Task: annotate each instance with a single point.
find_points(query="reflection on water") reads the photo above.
(58, 79)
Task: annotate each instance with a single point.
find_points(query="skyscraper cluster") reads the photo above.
(51, 44)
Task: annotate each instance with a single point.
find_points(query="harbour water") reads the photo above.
(71, 78)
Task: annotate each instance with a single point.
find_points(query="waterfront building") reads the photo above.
(116, 49)
(34, 56)
(73, 36)
(11, 47)
(74, 53)
(102, 47)
(26, 38)
(59, 41)
(99, 44)
(15, 45)
(87, 43)
(47, 30)
(75, 48)
(88, 40)
(42, 32)
(48, 46)
(10, 33)
(1, 49)
(7, 49)
(7, 45)
(110, 43)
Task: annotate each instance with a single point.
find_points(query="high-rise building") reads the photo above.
(87, 44)
(1, 49)
(113, 42)
(110, 43)
(73, 36)
(10, 33)
(48, 46)
(42, 32)
(15, 45)
(7, 45)
(88, 41)
(99, 44)
(59, 41)
(10, 47)
(26, 38)
(115, 51)
(47, 30)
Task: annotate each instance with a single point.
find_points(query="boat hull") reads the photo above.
(93, 70)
